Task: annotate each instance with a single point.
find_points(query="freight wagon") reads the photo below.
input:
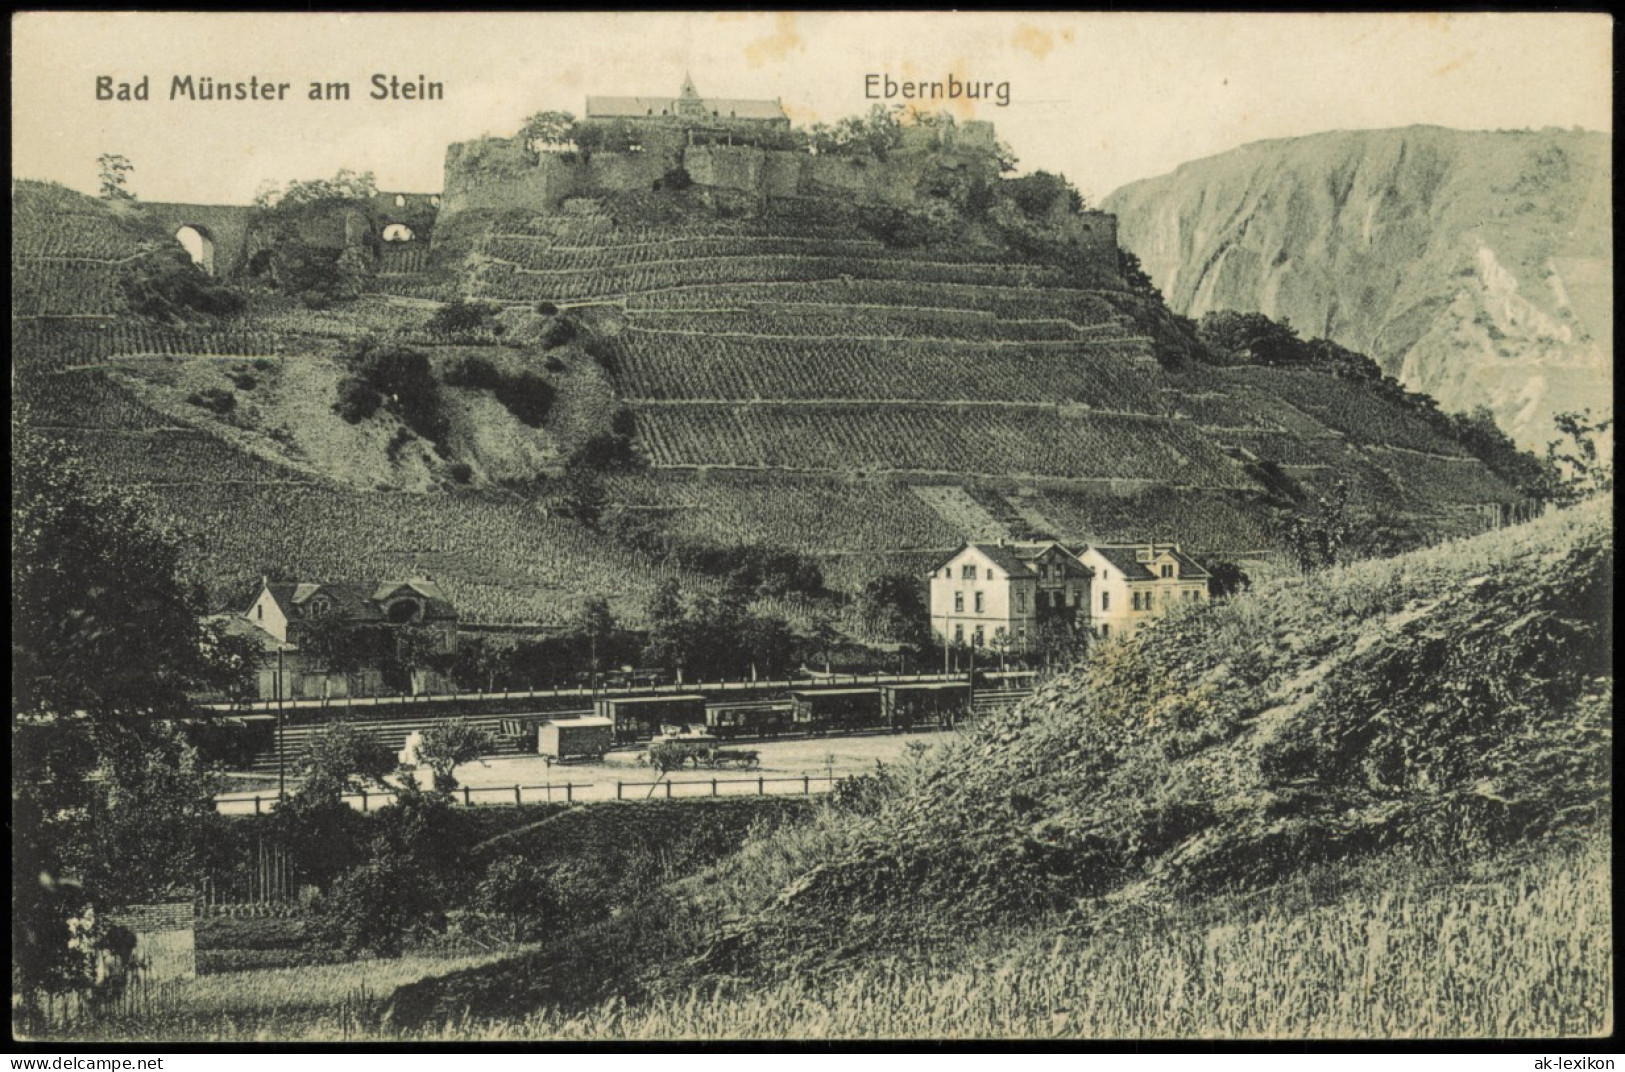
(637, 718)
(835, 710)
(926, 703)
(575, 738)
(759, 719)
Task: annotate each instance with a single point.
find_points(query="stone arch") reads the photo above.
(198, 243)
(398, 232)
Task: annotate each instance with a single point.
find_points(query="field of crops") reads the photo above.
(1202, 522)
(825, 321)
(45, 345)
(505, 282)
(498, 559)
(1012, 303)
(1349, 408)
(85, 400)
(988, 440)
(674, 367)
(178, 458)
(807, 514)
(1441, 480)
(64, 288)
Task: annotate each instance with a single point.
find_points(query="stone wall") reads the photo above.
(165, 938)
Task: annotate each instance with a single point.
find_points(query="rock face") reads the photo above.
(1475, 266)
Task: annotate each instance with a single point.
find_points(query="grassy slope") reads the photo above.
(1380, 794)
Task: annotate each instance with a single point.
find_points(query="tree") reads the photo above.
(324, 835)
(1320, 539)
(517, 895)
(1225, 579)
(597, 627)
(415, 649)
(112, 170)
(768, 644)
(448, 745)
(345, 185)
(893, 605)
(233, 660)
(480, 663)
(546, 129)
(583, 498)
(1038, 193)
(1250, 337)
(105, 645)
(1584, 466)
(668, 642)
(823, 638)
(338, 646)
(1134, 274)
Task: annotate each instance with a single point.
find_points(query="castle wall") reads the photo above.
(735, 167)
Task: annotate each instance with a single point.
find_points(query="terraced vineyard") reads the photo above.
(792, 382)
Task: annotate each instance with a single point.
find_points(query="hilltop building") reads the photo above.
(990, 593)
(283, 616)
(1134, 583)
(688, 107)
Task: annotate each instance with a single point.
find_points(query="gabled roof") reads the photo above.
(1019, 559)
(1032, 552)
(356, 603)
(1126, 557)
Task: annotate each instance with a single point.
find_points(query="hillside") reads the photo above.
(790, 379)
(1474, 265)
(1378, 797)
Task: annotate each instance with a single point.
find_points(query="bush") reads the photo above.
(358, 400)
(379, 907)
(166, 284)
(464, 318)
(559, 331)
(401, 375)
(245, 381)
(527, 396)
(214, 399)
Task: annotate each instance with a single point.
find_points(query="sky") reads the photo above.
(1103, 98)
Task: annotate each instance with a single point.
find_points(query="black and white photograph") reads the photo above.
(844, 527)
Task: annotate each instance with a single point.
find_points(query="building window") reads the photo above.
(980, 605)
(259, 612)
(1105, 630)
(1136, 599)
(978, 637)
(1021, 601)
(959, 634)
(967, 573)
(1167, 571)
(1105, 602)
(959, 602)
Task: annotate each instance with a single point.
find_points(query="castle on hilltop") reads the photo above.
(739, 154)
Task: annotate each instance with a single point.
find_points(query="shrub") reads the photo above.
(559, 331)
(358, 400)
(245, 381)
(463, 318)
(166, 284)
(214, 399)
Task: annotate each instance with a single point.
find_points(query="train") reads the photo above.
(817, 711)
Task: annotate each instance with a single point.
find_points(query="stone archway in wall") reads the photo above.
(398, 233)
(199, 245)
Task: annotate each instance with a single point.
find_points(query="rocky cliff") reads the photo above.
(1476, 266)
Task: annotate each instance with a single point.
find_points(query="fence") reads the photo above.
(569, 793)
